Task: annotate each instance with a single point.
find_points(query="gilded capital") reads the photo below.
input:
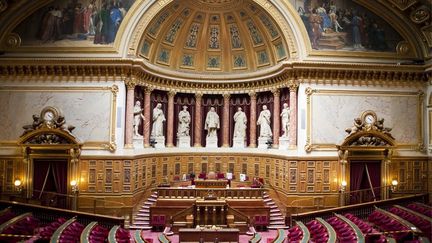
(198, 96)
(226, 95)
(275, 91)
(253, 95)
(148, 90)
(171, 93)
(293, 87)
(130, 83)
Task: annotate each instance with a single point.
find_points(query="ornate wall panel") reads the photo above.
(412, 175)
(92, 110)
(329, 114)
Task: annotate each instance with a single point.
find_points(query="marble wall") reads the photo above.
(89, 109)
(332, 111)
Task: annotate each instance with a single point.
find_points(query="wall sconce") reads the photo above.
(18, 185)
(343, 186)
(394, 184)
(74, 186)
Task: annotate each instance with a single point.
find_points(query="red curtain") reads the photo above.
(243, 101)
(359, 180)
(181, 100)
(209, 101)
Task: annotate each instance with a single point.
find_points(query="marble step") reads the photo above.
(143, 222)
(144, 210)
(278, 227)
(274, 210)
(276, 219)
(277, 223)
(152, 199)
(145, 214)
(270, 203)
(273, 207)
(268, 200)
(148, 203)
(278, 214)
(138, 227)
(144, 219)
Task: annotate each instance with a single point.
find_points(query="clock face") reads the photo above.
(48, 116)
(369, 119)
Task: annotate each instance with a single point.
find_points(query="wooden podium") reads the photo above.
(211, 183)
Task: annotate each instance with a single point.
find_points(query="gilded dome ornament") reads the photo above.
(13, 40)
(403, 48)
(420, 14)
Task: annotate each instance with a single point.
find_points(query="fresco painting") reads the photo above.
(74, 23)
(345, 25)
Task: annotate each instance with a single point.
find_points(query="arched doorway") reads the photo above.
(365, 156)
(50, 154)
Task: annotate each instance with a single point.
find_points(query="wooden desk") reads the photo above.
(209, 235)
(211, 183)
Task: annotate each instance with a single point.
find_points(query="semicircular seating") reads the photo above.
(298, 233)
(421, 222)
(345, 233)
(421, 208)
(388, 223)
(318, 233)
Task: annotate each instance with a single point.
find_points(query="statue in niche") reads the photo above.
(240, 120)
(184, 119)
(138, 116)
(285, 117)
(264, 123)
(212, 123)
(158, 119)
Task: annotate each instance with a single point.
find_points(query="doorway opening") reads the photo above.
(365, 181)
(50, 177)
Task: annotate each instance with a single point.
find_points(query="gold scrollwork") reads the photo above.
(403, 48)
(427, 33)
(13, 40)
(420, 14)
(403, 4)
(3, 5)
(308, 148)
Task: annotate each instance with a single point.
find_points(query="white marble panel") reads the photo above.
(88, 111)
(333, 113)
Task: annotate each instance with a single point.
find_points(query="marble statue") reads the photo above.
(158, 119)
(264, 123)
(240, 123)
(285, 116)
(138, 116)
(184, 119)
(212, 123)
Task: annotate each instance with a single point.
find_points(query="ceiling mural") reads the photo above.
(222, 36)
(346, 26)
(74, 23)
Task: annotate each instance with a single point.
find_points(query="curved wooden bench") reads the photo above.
(256, 238)
(414, 228)
(280, 236)
(112, 234)
(56, 236)
(414, 213)
(86, 232)
(138, 237)
(163, 238)
(331, 231)
(358, 232)
(13, 221)
(306, 233)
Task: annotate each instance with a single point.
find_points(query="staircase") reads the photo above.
(332, 40)
(142, 218)
(277, 220)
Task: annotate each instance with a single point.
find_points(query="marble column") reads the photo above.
(147, 118)
(293, 115)
(130, 97)
(253, 120)
(276, 117)
(198, 120)
(225, 121)
(170, 120)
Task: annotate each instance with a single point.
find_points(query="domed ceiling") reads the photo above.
(213, 36)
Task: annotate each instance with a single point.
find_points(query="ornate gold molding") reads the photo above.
(290, 75)
(310, 146)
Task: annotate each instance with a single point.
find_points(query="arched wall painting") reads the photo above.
(342, 25)
(80, 23)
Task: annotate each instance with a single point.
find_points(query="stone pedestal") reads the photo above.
(183, 142)
(211, 142)
(263, 143)
(283, 143)
(160, 142)
(138, 142)
(239, 142)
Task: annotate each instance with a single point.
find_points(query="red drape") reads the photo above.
(360, 181)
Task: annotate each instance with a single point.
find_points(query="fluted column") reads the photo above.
(198, 123)
(147, 119)
(293, 115)
(170, 120)
(276, 117)
(225, 122)
(130, 96)
(253, 125)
